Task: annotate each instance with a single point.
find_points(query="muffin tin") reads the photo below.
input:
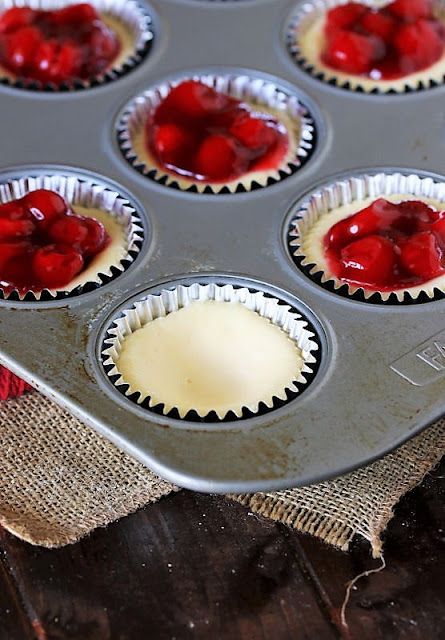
(381, 367)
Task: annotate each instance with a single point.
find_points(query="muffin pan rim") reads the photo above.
(298, 447)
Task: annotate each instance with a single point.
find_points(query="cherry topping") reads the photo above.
(75, 14)
(202, 133)
(379, 24)
(216, 158)
(254, 133)
(56, 46)
(387, 43)
(55, 265)
(45, 205)
(343, 17)
(411, 9)
(10, 250)
(369, 260)
(172, 142)
(418, 45)
(388, 246)
(16, 18)
(353, 52)
(421, 255)
(196, 100)
(43, 243)
(20, 46)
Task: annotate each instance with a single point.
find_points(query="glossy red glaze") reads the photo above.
(388, 246)
(43, 244)
(208, 136)
(56, 46)
(388, 43)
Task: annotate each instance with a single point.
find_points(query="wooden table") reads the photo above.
(196, 566)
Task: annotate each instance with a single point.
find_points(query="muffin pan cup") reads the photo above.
(170, 300)
(128, 14)
(258, 93)
(304, 17)
(353, 190)
(381, 371)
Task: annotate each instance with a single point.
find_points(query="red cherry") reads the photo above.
(20, 47)
(16, 18)
(10, 250)
(381, 215)
(217, 158)
(87, 235)
(370, 260)
(172, 143)
(411, 9)
(45, 205)
(43, 59)
(18, 227)
(104, 43)
(56, 265)
(193, 99)
(418, 44)
(254, 133)
(378, 23)
(353, 52)
(67, 63)
(68, 229)
(96, 239)
(343, 17)
(75, 14)
(421, 255)
(438, 228)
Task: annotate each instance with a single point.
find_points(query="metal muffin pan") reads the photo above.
(382, 370)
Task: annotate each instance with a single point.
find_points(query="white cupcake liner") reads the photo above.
(348, 191)
(259, 93)
(128, 13)
(153, 306)
(304, 16)
(83, 193)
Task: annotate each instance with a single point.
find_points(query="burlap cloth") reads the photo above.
(59, 480)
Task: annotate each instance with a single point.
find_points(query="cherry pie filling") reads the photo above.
(56, 46)
(199, 133)
(388, 246)
(44, 244)
(401, 38)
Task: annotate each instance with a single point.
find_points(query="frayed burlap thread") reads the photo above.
(360, 502)
(59, 480)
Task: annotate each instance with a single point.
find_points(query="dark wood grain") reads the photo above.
(195, 566)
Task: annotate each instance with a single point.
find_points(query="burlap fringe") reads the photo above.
(59, 480)
(360, 503)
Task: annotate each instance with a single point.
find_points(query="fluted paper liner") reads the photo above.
(126, 18)
(307, 16)
(82, 193)
(348, 191)
(261, 94)
(153, 306)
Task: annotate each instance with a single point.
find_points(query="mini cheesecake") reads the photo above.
(198, 135)
(61, 46)
(391, 244)
(45, 244)
(385, 48)
(210, 356)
